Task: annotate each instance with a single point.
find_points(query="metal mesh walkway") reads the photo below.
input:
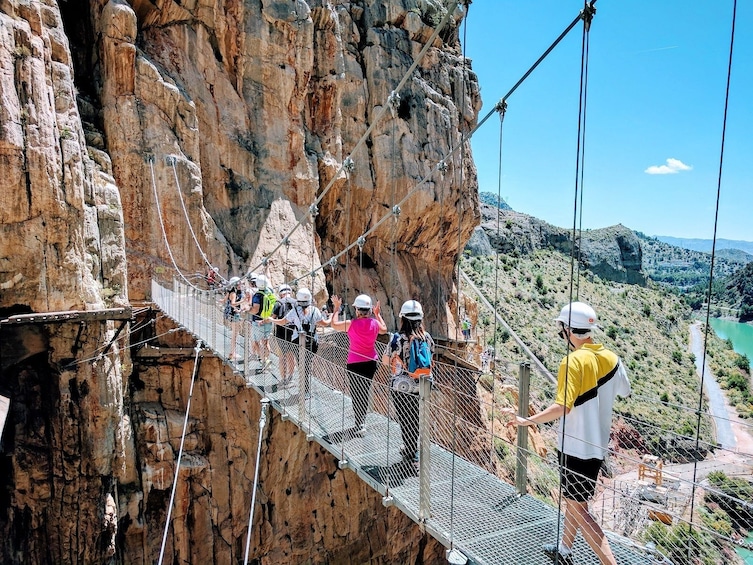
(469, 507)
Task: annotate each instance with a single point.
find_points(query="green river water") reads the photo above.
(742, 342)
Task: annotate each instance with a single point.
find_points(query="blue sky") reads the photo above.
(656, 89)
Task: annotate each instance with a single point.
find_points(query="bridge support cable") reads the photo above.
(162, 226)
(495, 325)
(503, 101)
(171, 160)
(441, 165)
(713, 248)
(180, 453)
(262, 424)
(459, 214)
(587, 16)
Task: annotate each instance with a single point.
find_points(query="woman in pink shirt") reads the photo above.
(362, 355)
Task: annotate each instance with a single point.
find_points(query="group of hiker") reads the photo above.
(589, 379)
(294, 319)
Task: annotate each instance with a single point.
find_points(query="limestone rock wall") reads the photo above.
(66, 444)
(140, 137)
(259, 104)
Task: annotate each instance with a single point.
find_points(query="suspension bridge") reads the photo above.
(461, 492)
(455, 493)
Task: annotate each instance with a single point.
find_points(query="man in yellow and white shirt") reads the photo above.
(589, 378)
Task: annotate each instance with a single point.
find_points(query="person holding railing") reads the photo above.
(404, 387)
(589, 378)
(362, 354)
(232, 312)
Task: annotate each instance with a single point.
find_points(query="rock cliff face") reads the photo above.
(613, 253)
(139, 137)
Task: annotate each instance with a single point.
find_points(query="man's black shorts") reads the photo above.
(578, 477)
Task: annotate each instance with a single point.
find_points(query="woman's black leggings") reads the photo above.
(360, 376)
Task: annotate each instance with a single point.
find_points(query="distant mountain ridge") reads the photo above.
(704, 245)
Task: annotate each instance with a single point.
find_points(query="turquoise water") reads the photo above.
(740, 334)
(742, 342)
(746, 554)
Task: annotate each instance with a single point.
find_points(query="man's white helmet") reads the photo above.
(283, 289)
(578, 315)
(303, 297)
(412, 310)
(262, 282)
(252, 276)
(362, 302)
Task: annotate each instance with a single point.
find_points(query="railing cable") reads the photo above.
(713, 246)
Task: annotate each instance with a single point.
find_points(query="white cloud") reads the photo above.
(672, 167)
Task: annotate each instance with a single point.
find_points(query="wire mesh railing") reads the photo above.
(672, 498)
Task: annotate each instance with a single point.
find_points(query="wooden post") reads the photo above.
(521, 467)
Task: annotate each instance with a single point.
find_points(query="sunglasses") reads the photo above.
(562, 332)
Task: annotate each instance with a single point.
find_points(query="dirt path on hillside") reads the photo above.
(735, 460)
(743, 434)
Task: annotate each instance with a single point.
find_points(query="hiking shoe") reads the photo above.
(359, 432)
(553, 552)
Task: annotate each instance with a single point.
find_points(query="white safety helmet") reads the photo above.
(578, 315)
(303, 297)
(412, 310)
(252, 276)
(283, 289)
(362, 302)
(262, 282)
(234, 281)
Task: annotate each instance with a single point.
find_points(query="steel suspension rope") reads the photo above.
(180, 453)
(406, 77)
(459, 252)
(502, 111)
(587, 16)
(262, 424)
(582, 161)
(164, 232)
(172, 160)
(713, 253)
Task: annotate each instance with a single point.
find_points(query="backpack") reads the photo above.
(229, 308)
(419, 358)
(268, 303)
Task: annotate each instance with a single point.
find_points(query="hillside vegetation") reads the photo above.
(647, 327)
(683, 268)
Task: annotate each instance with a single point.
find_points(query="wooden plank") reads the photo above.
(69, 316)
